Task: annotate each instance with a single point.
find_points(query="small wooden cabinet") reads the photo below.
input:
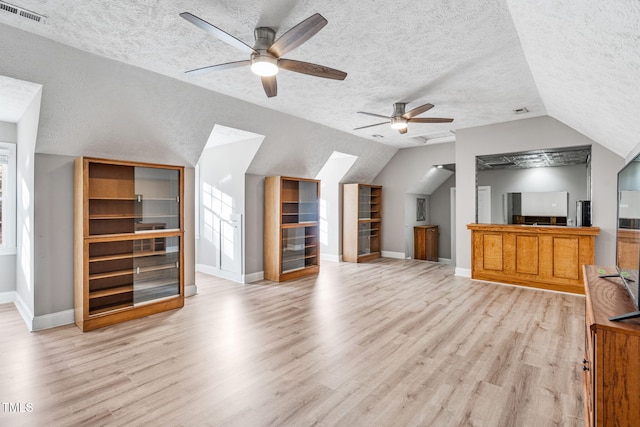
(291, 227)
(425, 242)
(611, 363)
(361, 222)
(128, 241)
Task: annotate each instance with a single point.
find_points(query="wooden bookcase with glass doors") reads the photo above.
(291, 228)
(361, 222)
(128, 240)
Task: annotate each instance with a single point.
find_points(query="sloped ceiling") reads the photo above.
(16, 96)
(477, 62)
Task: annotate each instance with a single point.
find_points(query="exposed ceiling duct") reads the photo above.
(535, 158)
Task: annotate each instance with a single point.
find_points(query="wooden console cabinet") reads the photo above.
(544, 257)
(425, 242)
(128, 241)
(611, 364)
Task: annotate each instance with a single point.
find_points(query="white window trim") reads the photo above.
(8, 246)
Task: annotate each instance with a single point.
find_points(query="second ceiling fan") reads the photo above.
(266, 54)
(399, 119)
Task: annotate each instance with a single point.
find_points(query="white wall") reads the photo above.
(223, 168)
(522, 135)
(8, 261)
(25, 240)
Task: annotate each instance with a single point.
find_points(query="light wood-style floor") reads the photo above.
(387, 343)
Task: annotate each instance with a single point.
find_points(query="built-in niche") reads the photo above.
(533, 187)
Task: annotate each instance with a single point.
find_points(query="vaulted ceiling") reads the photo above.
(477, 62)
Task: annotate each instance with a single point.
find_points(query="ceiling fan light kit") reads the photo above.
(264, 65)
(398, 123)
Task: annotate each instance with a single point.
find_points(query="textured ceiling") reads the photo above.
(477, 62)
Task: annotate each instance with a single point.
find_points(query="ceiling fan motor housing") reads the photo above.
(398, 109)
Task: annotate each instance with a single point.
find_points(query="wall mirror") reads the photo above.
(543, 179)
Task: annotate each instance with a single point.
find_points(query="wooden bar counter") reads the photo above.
(546, 257)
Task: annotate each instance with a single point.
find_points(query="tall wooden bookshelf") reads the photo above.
(361, 222)
(291, 227)
(128, 240)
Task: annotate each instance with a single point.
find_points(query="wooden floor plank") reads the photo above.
(385, 343)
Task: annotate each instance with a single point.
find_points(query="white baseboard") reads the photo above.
(253, 277)
(45, 321)
(330, 257)
(463, 272)
(190, 290)
(53, 320)
(7, 297)
(445, 260)
(389, 254)
(240, 278)
(24, 311)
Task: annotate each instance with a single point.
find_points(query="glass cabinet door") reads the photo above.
(293, 249)
(156, 268)
(364, 211)
(364, 238)
(308, 201)
(157, 202)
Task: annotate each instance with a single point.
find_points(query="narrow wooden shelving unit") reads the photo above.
(361, 222)
(291, 228)
(128, 240)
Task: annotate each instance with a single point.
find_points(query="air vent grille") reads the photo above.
(17, 10)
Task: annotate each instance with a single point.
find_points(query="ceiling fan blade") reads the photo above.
(403, 130)
(297, 35)
(429, 120)
(270, 85)
(311, 69)
(370, 126)
(218, 67)
(222, 35)
(375, 115)
(417, 111)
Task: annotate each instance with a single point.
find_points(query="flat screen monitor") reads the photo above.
(628, 234)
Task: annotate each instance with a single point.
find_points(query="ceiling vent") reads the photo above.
(17, 10)
(522, 110)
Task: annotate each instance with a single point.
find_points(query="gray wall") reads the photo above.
(410, 219)
(254, 224)
(54, 233)
(440, 213)
(572, 179)
(406, 168)
(522, 135)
